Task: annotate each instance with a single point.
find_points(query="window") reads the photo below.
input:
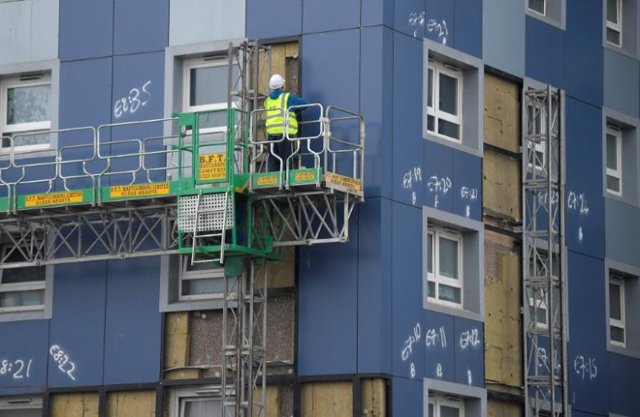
(200, 281)
(617, 309)
(540, 127)
(538, 311)
(444, 101)
(614, 160)
(444, 267)
(440, 406)
(204, 402)
(21, 289)
(26, 110)
(550, 11)
(538, 6)
(614, 22)
(21, 407)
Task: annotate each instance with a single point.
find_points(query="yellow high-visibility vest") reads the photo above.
(275, 110)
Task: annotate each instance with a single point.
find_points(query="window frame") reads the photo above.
(544, 8)
(29, 127)
(197, 394)
(437, 401)
(617, 27)
(40, 285)
(532, 309)
(615, 173)
(451, 71)
(185, 275)
(435, 276)
(617, 279)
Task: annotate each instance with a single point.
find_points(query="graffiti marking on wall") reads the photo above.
(16, 369)
(469, 338)
(438, 185)
(62, 359)
(435, 337)
(137, 98)
(412, 176)
(407, 348)
(585, 367)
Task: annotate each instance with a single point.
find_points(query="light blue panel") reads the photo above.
(440, 346)
(469, 347)
(503, 26)
(377, 12)
(133, 21)
(408, 341)
(328, 307)
(622, 230)
(625, 384)
(260, 26)
(23, 356)
(323, 15)
(77, 326)
(584, 205)
(589, 370)
(408, 181)
(133, 325)
(29, 31)
(374, 287)
(467, 185)
(410, 17)
(377, 107)
(407, 397)
(195, 21)
(621, 89)
(468, 26)
(544, 60)
(440, 22)
(438, 176)
(86, 29)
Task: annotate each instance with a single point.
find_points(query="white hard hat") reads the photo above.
(276, 81)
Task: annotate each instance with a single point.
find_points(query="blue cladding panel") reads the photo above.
(469, 346)
(327, 312)
(440, 341)
(438, 176)
(468, 26)
(588, 370)
(133, 23)
(377, 12)
(133, 330)
(467, 186)
(24, 348)
(622, 232)
(584, 210)
(409, 17)
(406, 240)
(86, 29)
(77, 326)
(624, 384)
(576, 413)
(323, 15)
(407, 397)
(503, 35)
(260, 26)
(138, 82)
(376, 105)
(374, 303)
(544, 57)
(407, 120)
(583, 44)
(621, 83)
(440, 22)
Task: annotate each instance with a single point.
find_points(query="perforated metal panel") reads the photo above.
(211, 209)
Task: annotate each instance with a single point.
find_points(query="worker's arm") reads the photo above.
(295, 101)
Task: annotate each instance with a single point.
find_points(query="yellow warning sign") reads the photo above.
(267, 180)
(304, 176)
(346, 183)
(213, 166)
(53, 199)
(139, 190)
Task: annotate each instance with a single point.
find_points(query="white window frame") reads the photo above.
(195, 63)
(438, 401)
(438, 68)
(179, 397)
(435, 277)
(617, 27)
(22, 128)
(615, 173)
(544, 8)
(618, 280)
(543, 306)
(186, 275)
(22, 286)
(21, 403)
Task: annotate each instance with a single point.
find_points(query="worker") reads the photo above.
(276, 104)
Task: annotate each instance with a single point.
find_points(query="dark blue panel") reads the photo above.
(377, 12)
(138, 82)
(323, 15)
(440, 22)
(468, 27)
(77, 326)
(545, 46)
(577, 413)
(408, 340)
(467, 185)
(408, 180)
(331, 68)
(327, 308)
(377, 106)
(469, 345)
(23, 356)
(133, 330)
(622, 232)
(374, 287)
(410, 17)
(261, 25)
(625, 384)
(407, 397)
(588, 370)
(133, 23)
(583, 192)
(583, 44)
(439, 340)
(86, 29)
(438, 176)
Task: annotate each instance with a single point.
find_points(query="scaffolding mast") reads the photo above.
(544, 289)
